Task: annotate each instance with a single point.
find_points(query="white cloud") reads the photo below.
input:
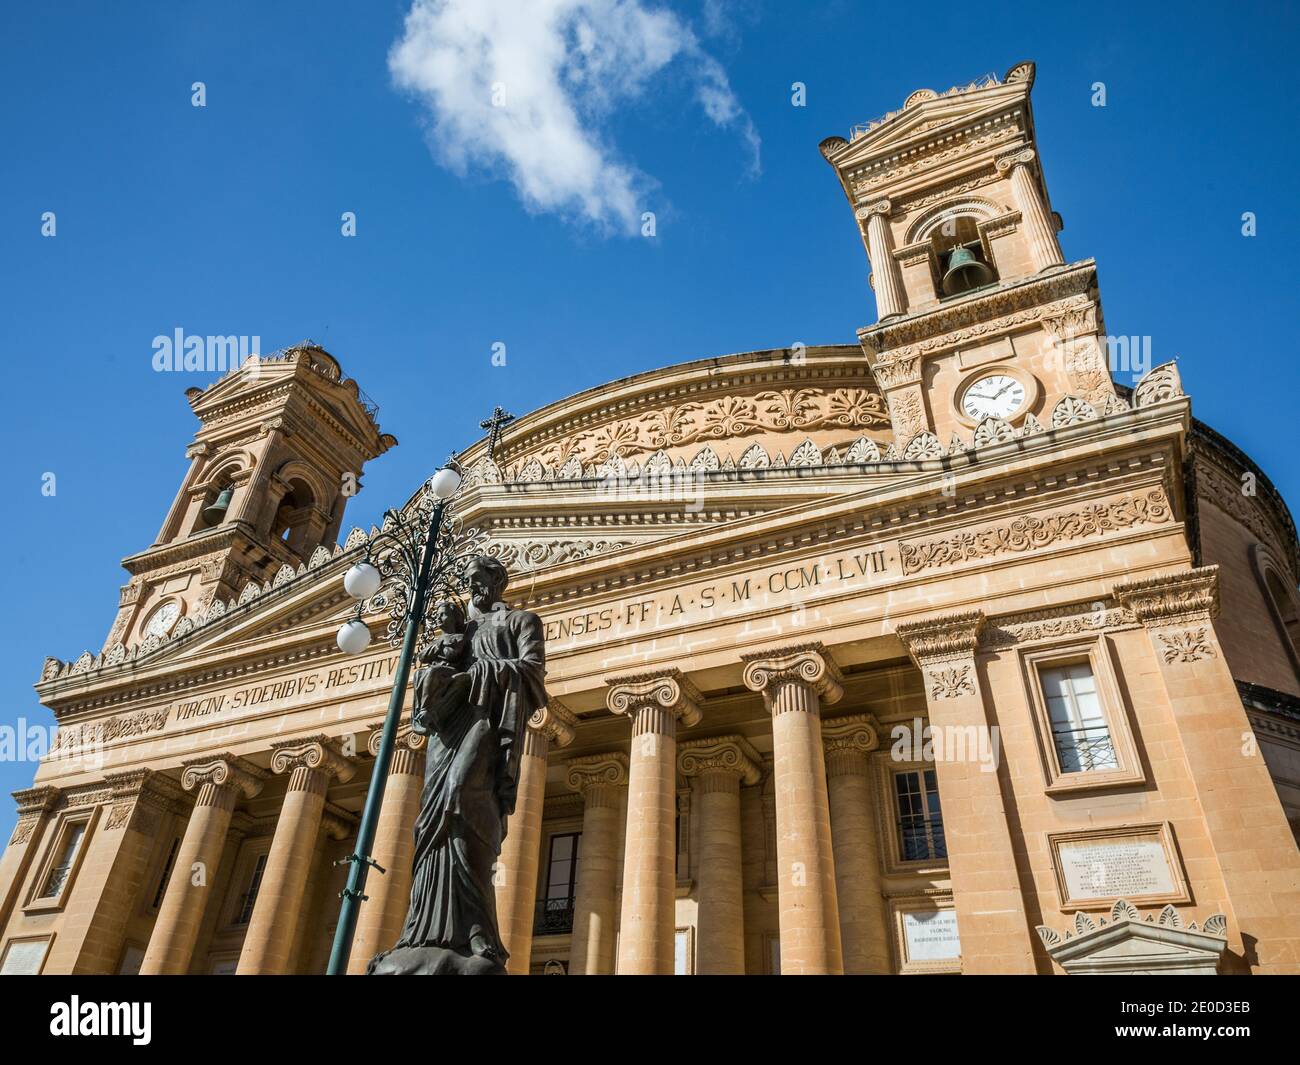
(528, 87)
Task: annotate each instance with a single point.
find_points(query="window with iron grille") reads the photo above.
(1080, 733)
(920, 820)
(555, 910)
(57, 877)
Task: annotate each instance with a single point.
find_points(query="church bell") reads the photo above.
(215, 512)
(965, 272)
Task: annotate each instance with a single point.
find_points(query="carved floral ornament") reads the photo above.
(951, 682)
(725, 417)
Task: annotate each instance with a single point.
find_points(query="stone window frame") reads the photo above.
(84, 815)
(561, 825)
(40, 937)
(688, 930)
(1264, 563)
(241, 875)
(891, 862)
(1162, 831)
(911, 902)
(1100, 656)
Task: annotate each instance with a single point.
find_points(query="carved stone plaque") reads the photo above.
(1137, 863)
(931, 935)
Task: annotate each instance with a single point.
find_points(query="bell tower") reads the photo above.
(280, 448)
(979, 315)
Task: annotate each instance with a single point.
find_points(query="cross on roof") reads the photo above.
(494, 425)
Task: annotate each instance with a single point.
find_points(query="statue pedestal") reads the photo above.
(432, 961)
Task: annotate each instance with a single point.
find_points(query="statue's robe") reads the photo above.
(471, 780)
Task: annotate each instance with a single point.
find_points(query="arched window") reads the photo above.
(1283, 600)
(960, 256)
(216, 502)
(291, 524)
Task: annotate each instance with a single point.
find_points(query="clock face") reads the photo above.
(996, 396)
(162, 620)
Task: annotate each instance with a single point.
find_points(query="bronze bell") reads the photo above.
(215, 512)
(965, 272)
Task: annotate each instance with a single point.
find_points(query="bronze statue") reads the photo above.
(481, 682)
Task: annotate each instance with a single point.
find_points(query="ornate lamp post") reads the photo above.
(413, 556)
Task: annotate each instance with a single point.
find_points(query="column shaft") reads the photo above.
(720, 922)
(520, 853)
(171, 946)
(864, 926)
(602, 780)
(1039, 233)
(279, 899)
(884, 271)
(383, 914)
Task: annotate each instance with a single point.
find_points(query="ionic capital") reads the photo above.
(881, 207)
(1172, 598)
(412, 741)
(554, 721)
(224, 769)
(670, 691)
(320, 753)
(943, 637)
(336, 822)
(808, 664)
(597, 771)
(1020, 157)
(856, 734)
(720, 754)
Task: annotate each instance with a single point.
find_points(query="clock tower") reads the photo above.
(280, 448)
(982, 324)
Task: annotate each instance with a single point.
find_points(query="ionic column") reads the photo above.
(653, 704)
(864, 925)
(220, 782)
(1252, 843)
(601, 779)
(312, 763)
(794, 682)
(516, 871)
(880, 249)
(995, 933)
(718, 767)
(384, 912)
(1039, 231)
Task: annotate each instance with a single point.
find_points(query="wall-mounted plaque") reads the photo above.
(925, 934)
(1136, 862)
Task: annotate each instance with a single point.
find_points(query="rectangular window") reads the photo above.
(57, 877)
(1079, 730)
(555, 910)
(250, 896)
(920, 821)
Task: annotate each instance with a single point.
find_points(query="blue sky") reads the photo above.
(225, 219)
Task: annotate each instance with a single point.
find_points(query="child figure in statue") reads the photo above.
(445, 660)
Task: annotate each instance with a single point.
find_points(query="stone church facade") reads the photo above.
(937, 652)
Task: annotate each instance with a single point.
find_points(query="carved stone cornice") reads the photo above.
(405, 737)
(230, 769)
(312, 752)
(671, 691)
(554, 721)
(1000, 310)
(856, 733)
(1007, 630)
(36, 800)
(943, 637)
(597, 771)
(1172, 598)
(720, 754)
(808, 664)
